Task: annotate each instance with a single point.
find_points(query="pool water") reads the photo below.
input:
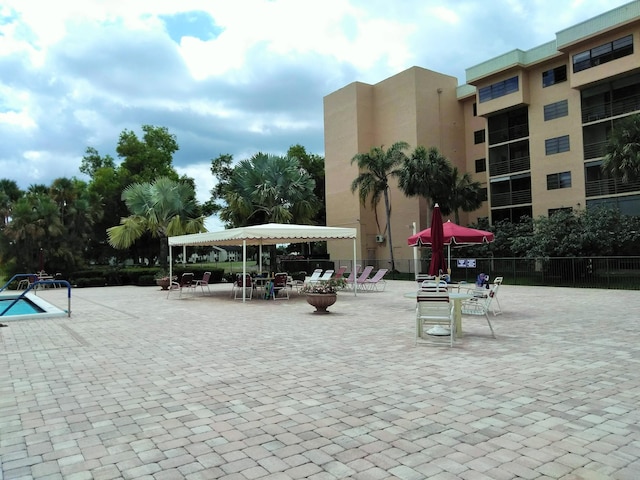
(22, 307)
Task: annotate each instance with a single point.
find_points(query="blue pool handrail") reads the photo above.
(32, 286)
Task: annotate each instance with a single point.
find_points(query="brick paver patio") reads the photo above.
(135, 385)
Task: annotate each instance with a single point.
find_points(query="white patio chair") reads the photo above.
(434, 318)
(480, 306)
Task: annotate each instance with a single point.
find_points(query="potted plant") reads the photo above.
(323, 293)
(163, 280)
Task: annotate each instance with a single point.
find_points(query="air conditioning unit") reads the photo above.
(380, 238)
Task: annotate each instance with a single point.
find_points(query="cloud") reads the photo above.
(226, 76)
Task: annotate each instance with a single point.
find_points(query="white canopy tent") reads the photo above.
(268, 234)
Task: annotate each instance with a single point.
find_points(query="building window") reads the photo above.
(499, 89)
(475, 109)
(555, 75)
(478, 136)
(553, 211)
(484, 194)
(603, 54)
(556, 145)
(481, 165)
(559, 180)
(556, 110)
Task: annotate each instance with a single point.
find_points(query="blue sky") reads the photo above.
(226, 76)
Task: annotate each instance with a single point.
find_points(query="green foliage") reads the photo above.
(162, 208)
(586, 233)
(622, 160)
(263, 189)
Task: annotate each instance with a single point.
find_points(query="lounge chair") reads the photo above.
(326, 275)
(376, 283)
(361, 278)
(315, 276)
(434, 318)
(340, 272)
(186, 283)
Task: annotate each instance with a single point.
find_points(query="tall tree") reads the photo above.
(9, 193)
(376, 168)
(427, 173)
(314, 165)
(622, 160)
(148, 158)
(162, 208)
(463, 194)
(269, 188)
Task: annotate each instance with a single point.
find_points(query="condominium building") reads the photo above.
(531, 126)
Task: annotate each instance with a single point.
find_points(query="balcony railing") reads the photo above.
(509, 166)
(609, 186)
(506, 134)
(595, 150)
(510, 198)
(611, 109)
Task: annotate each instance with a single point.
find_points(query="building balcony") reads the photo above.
(510, 198)
(513, 165)
(609, 186)
(620, 106)
(595, 150)
(514, 132)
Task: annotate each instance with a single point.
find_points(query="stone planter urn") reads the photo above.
(163, 283)
(321, 301)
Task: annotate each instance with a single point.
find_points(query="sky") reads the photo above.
(227, 76)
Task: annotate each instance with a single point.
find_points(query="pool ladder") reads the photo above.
(33, 286)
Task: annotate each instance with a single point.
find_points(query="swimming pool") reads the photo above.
(30, 306)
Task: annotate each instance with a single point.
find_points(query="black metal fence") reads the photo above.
(587, 272)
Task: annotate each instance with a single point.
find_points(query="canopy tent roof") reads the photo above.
(453, 235)
(267, 234)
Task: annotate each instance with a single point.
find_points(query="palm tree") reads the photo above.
(427, 174)
(162, 208)
(269, 188)
(464, 194)
(376, 167)
(622, 160)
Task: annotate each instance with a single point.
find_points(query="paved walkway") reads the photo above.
(135, 385)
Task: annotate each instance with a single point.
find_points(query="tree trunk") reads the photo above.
(388, 211)
(164, 251)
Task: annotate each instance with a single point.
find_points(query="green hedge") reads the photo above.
(142, 276)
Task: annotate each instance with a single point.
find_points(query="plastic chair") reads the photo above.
(371, 284)
(186, 283)
(481, 306)
(240, 286)
(434, 317)
(280, 285)
(204, 282)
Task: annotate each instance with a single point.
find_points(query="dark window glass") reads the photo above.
(475, 109)
(478, 136)
(556, 145)
(556, 110)
(481, 165)
(603, 53)
(555, 75)
(498, 89)
(559, 180)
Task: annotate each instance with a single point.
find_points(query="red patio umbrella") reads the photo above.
(453, 234)
(437, 265)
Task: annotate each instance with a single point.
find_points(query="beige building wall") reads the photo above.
(416, 106)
